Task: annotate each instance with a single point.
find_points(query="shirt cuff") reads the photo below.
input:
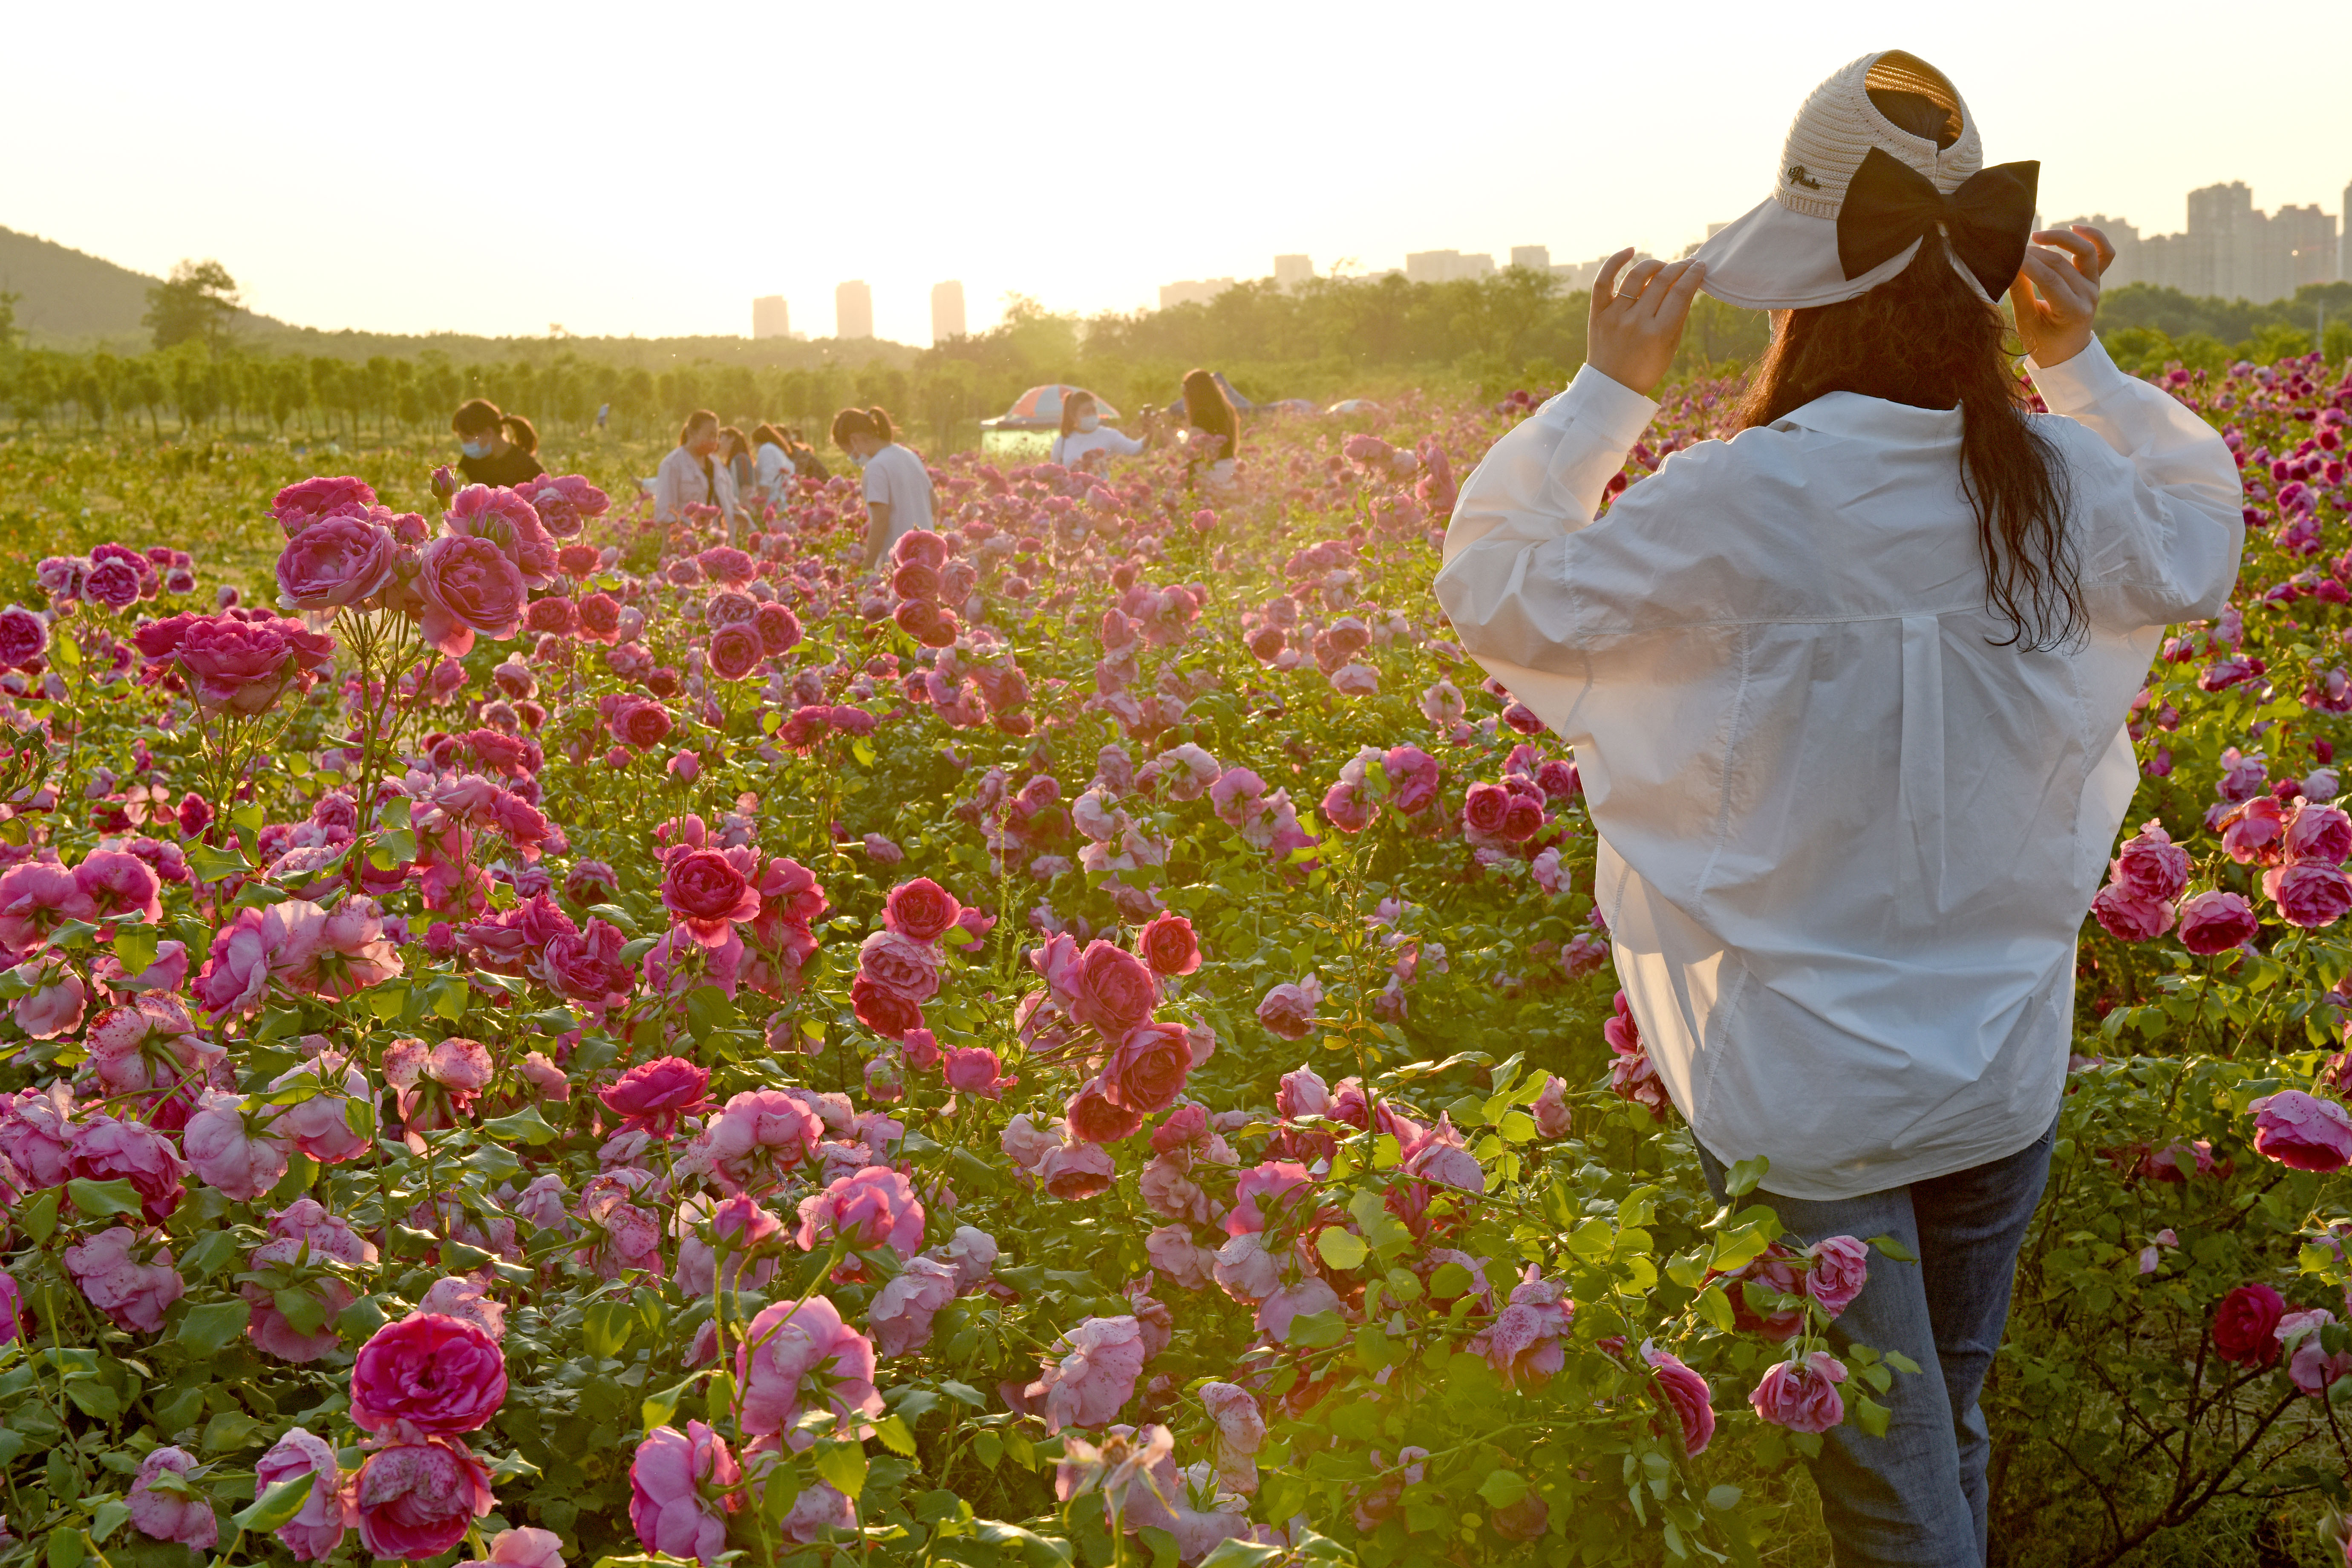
(2080, 382)
(1607, 408)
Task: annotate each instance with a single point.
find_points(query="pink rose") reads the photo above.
(2127, 916)
(35, 1128)
(335, 562)
(417, 1499)
(1841, 1266)
(735, 651)
(128, 1277)
(1093, 1376)
(653, 1095)
(901, 1316)
(24, 637)
(2150, 866)
(1112, 989)
(708, 892)
(921, 910)
(2245, 1325)
(1093, 1117)
(232, 1146)
(2318, 835)
(974, 1069)
(1147, 1070)
(800, 1355)
(1802, 1394)
(1074, 1172)
(869, 1208)
(1686, 1394)
(2216, 923)
(1289, 1010)
(243, 665)
(318, 1529)
(523, 1547)
(118, 883)
(106, 1150)
(2301, 1131)
(682, 1487)
(1412, 775)
(1263, 1188)
(760, 1136)
(1484, 806)
(469, 586)
(463, 1298)
(2311, 897)
(441, 1375)
(169, 1515)
(56, 1008)
(1168, 945)
(2309, 1366)
(37, 897)
(907, 968)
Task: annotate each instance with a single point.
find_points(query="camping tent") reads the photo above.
(1040, 408)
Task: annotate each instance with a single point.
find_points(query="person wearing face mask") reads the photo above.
(897, 486)
(693, 475)
(1084, 436)
(489, 457)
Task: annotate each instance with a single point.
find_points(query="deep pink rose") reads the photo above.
(441, 1375)
(243, 665)
(106, 1150)
(335, 562)
(35, 898)
(872, 1207)
(1802, 1394)
(779, 628)
(2311, 897)
(1146, 1071)
(1686, 1393)
(417, 1500)
(1263, 1188)
(2128, 917)
(884, 1010)
(2216, 923)
(2245, 1325)
(469, 586)
(1168, 945)
(682, 1487)
(653, 1095)
(708, 892)
(1095, 1118)
(974, 1069)
(302, 505)
(2151, 866)
(1840, 1268)
(1484, 806)
(1289, 1010)
(2301, 1131)
(24, 637)
(2318, 835)
(920, 909)
(120, 883)
(1112, 989)
(735, 651)
(1412, 775)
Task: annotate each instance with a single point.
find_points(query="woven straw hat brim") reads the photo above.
(1775, 259)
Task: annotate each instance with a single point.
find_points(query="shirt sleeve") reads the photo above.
(2162, 528)
(666, 497)
(1503, 583)
(1118, 441)
(877, 482)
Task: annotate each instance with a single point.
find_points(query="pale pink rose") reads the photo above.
(523, 1547)
(1093, 1377)
(463, 1298)
(1269, 1184)
(55, 1009)
(1246, 1270)
(682, 1487)
(797, 1356)
(901, 1316)
(128, 1277)
(1307, 1295)
(972, 1253)
(1524, 1343)
(104, 1149)
(35, 1128)
(1080, 1170)
(320, 1126)
(1840, 1268)
(818, 1509)
(1024, 1143)
(1169, 1192)
(1302, 1093)
(1552, 1116)
(1188, 1264)
(760, 1135)
(1240, 1432)
(1802, 1394)
(2127, 916)
(2312, 897)
(2308, 1365)
(326, 1515)
(168, 1516)
(308, 1223)
(232, 1144)
(1289, 1010)
(872, 1208)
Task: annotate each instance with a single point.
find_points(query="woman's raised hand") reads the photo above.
(2056, 294)
(1637, 319)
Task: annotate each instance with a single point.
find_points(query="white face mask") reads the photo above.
(1089, 422)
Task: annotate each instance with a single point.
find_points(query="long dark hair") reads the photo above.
(1928, 339)
(871, 422)
(1207, 411)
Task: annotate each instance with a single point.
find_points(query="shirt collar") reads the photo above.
(1854, 413)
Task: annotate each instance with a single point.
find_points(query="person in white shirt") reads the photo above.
(772, 464)
(692, 475)
(1848, 695)
(897, 486)
(1084, 436)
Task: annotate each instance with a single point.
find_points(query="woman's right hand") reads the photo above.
(1636, 324)
(2056, 295)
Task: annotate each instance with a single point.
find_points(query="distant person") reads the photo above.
(692, 474)
(772, 469)
(491, 455)
(1084, 436)
(735, 451)
(807, 461)
(1213, 437)
(604, 414)
(898, 486)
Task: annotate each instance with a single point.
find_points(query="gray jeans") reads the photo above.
(1915, 1497)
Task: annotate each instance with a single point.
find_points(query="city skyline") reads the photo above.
(397, 224)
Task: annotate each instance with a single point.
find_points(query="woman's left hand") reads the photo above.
(2056, 295)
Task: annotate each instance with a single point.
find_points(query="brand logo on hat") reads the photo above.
(1797, 176)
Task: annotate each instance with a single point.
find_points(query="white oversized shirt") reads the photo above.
(1846, 841)
(679, 483)
(896, 477)
(1076, 447)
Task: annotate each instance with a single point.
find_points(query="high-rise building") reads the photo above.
(1446, 266)
(1290, 271)
(770, 319)
(947, 312)
(2233, 250)
(2344, 237)
(1534, 258)
(1192, 291)
(853, 311)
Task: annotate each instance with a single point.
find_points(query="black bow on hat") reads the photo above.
(1888, 205)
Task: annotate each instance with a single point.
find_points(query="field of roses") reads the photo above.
(535, 1037)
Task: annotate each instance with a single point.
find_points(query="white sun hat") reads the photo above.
(1856, 194)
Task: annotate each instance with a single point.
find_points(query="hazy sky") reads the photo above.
(649, 168)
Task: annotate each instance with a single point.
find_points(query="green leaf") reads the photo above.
(1901, 1363)
(134, 946)
(1741, 1179)
(658, 1408)
(211, 865)
(895, 1437)
(841, 1466)
(361, 1319)
(1722, 1497)
(1869, 1415)
(1501, 1488)
(1230, 1553)
(65, 1544)
(1716, 1308)
(94, 1399)
(206, 1329)
(1315, 1330)
(605, 1327)
(1895, 1249)
(302, 1309)
(277, 1505)
(96, 1199)
(39, 1215)
(1342, 1249)
(110, 1518)
(208, 1254)
(964, 1392)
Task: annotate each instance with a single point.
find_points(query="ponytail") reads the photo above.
(851, 422)
(520, 433)
(695, 421)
